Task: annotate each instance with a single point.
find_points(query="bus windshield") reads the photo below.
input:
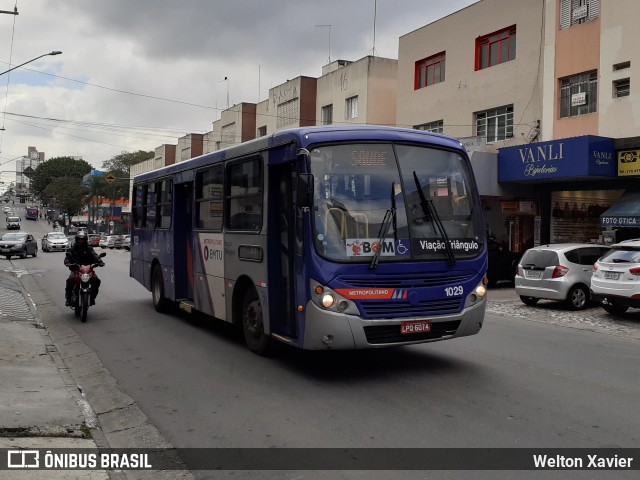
(395, 202)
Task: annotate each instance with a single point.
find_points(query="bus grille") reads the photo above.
(383, 309)
(391, 333)
(405, 281)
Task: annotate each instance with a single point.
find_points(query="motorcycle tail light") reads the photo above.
(85, 277)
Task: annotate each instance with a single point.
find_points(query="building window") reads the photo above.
(578, 94)
(327, 114)
(433, 127)
(496, 48)
(288, 113)
(430, 70)
(228, 134)
(262, 131)
(621, 66)
(351, 108)
(622, 87)
(575, 12)
(495, 124)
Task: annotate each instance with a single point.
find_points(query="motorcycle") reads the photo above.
(81, 295)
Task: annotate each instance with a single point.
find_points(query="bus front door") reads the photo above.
(282, 246)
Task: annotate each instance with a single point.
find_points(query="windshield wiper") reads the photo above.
(432, 215)
(389, 219)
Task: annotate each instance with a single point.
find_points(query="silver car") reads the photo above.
(616, 278)
(55, 241)
(558, 272)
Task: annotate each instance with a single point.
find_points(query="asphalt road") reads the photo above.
(519, 383)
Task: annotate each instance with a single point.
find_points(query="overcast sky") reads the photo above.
(135, 74)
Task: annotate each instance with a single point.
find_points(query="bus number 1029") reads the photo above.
(453, 291)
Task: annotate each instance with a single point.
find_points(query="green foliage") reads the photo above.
(66, 193)
(58, 167)
(120, 166)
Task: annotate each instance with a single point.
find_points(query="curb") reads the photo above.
(113, 418)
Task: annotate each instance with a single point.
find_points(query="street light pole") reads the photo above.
(55, 52)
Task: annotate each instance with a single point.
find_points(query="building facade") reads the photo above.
(548, 85)
(588, 164)
(482, 82)
(23, 166)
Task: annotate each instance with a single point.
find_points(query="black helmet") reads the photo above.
(81, 238)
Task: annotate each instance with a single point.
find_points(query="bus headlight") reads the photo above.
(328, 300)
(475, 296)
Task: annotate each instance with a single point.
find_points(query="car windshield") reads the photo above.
(57, 236)
(409, 199)
(14, 237)
(13, 219)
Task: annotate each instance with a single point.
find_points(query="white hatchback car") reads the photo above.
(616, 278)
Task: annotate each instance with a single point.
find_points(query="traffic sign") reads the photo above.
(110, 178)
(28, 172)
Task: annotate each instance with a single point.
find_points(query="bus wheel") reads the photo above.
(160, 302)
(252, 324)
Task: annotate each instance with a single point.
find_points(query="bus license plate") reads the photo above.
(611, 275)
(415, 327)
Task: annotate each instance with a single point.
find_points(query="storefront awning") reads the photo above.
(625, 213)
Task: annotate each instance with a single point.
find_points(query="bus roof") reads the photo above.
(302, 137)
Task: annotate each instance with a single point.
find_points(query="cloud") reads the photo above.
(173, 49)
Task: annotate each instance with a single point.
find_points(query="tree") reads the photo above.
(58, 167)
(120, 166)
(66, 193)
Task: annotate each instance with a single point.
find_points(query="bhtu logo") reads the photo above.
(23, 459)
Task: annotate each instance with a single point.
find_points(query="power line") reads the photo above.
(123, 91)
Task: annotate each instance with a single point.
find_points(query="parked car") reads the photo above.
(94, 240)
(558, 272)
(616, 278)
(13, 223)
(18, 244)
(126, 242)
(503, 263)
(113, 240)
(54, 241)
(104, 241)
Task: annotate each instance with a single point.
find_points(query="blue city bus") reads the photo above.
(333, 237)
(31, 213)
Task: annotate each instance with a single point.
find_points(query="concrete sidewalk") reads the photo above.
(40, 404)
(43, 363)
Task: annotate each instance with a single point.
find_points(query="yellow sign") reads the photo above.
(628, 163)
(110, 178)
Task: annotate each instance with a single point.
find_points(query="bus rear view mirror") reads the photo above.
(304, 190)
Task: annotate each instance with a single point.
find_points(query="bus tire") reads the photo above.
(253, 324)
(160, 302)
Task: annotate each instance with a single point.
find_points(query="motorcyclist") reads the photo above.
(81, 254)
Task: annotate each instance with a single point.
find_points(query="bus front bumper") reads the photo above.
(327, 330)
